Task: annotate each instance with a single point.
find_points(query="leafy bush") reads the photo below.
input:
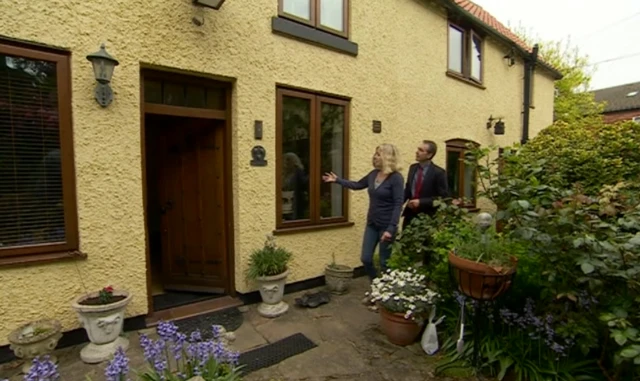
(269, 260)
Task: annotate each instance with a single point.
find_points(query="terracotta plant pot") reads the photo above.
(479, 280)
(399, 331)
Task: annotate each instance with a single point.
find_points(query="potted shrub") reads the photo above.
(268, 267)
(483, 263)
(101, 314)
(404, 300)
(35, 339)
(338, 277)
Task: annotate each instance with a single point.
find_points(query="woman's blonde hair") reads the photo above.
(390, 158)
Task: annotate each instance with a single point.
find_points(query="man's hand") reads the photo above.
(386, 236)
(413, 204)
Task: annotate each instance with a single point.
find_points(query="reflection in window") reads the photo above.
(476, 57)
(296, 126)
(331, 14)
(461, 177)
(331, 155)
(31, 191)
(297, 8)
(312, 133)
(456, 40)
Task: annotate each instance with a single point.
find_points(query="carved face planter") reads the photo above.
(287, 202)
(103, 323)
(272, 292)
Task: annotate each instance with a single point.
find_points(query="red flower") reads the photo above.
(108, 289)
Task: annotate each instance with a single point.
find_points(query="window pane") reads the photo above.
(298, 8)
(196, 97)
(331, 14)
(173, 94)
(453, 172)
(31, 201)
(476, 58)
(296, 127)
(216, 98)
(469, 182)
(456, 38)
(332, 158)
(152, 91)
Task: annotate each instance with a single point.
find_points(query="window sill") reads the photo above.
(315, 36)
(461, 78)
(306, 229)
(41, 258)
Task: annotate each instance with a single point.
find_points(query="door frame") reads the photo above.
(225, 115)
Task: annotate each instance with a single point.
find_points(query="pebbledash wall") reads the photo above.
(398, 78)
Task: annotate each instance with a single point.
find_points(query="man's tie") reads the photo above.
(418, 186)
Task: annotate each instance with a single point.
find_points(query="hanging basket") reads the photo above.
(480, 281)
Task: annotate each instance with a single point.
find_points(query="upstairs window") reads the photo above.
(329, 15)
(465, 53)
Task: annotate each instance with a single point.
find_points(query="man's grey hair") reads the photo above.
(432, 147)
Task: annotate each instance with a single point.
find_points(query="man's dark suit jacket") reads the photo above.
(434, 185)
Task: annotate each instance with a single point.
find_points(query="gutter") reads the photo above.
(529, 70)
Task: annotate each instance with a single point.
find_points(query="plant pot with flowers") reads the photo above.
(484, 263)
(404, 300)
(269, 267)
(101, 314)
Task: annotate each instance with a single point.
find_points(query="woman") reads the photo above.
(385, 185)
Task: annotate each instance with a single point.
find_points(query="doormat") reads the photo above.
(274, 353)
(174, 299)
(230, 318)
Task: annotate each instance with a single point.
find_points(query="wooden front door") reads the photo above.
(190, 190)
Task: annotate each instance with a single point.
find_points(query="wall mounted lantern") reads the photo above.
(510, 58)
(103, 65)
(215, 4)
(498, 128)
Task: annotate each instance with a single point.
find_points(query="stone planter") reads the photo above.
(338, 278)
(103, 323)
(35, 339)
(399, 331)
(272, 292)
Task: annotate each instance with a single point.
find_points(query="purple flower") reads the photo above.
(167, 330)
(195, 336)
(217, 331)
(118, 368)
(42, 370)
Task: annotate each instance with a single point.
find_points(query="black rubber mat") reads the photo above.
(231, 319)
(274, 353)
(174, 299)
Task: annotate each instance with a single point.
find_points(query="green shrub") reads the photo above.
(268, 261)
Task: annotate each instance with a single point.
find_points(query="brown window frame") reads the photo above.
(69, 249)
(467, 47)
(314, 17)
(460, 146)
(315, 175)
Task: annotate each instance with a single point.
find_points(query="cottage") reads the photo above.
(165, 175)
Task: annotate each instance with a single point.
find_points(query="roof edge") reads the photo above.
(451, 5)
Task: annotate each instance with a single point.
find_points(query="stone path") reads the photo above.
(350, 346)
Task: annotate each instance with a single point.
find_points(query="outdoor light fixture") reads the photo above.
(498, 128)
(103, 65)
(510, 58)
(215, 4)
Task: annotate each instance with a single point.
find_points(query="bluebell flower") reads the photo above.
(118, 368)
(195, 336)
(167, 330)
(42, 370)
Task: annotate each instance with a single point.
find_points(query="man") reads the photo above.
(425, 183)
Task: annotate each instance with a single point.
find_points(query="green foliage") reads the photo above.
(487, 247)
(268, 261)
(588, 152)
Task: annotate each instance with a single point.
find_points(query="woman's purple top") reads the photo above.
(385, 201)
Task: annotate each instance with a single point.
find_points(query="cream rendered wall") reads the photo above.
(398, 78)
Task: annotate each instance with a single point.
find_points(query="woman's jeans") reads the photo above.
(371, 239)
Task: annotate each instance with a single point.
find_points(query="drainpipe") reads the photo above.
(529, 68)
